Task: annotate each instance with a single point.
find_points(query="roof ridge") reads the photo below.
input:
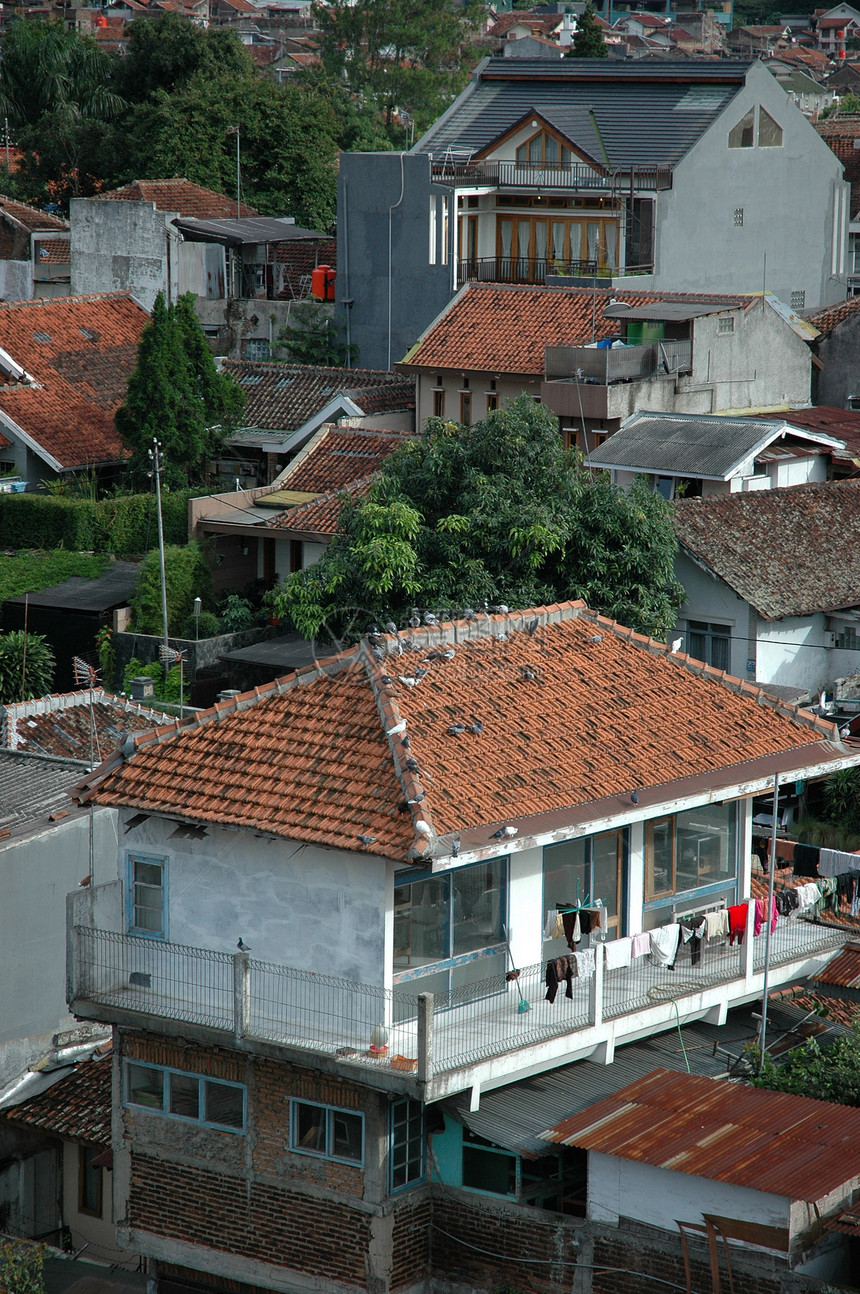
(61, 302)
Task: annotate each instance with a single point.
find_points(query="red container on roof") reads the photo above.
(322, 283)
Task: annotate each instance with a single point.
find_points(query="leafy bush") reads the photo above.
(166, 687)
(236, 614)
(26, 666)
(209, 626)
(107, 657)
(21, 1267)
(124, 524)
(830, 1073)
(187, 576)
(26, 572)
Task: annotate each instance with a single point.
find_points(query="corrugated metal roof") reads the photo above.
(677, 311)
(843, 969)
(247, 230)
(32, 786)
(647, 114)
(515, 1115)
(785, 1145)
(692, 445)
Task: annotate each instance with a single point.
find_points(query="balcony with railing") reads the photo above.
(461, 172)
(437, 1044)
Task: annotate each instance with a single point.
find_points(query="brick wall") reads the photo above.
(249, 1219)
(411, 1239)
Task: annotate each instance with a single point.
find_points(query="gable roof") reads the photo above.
(688, 444)
(787, 552)
(842, 423)
(79, 353)
(31, 218)
(648, 113)
(337, 456)
(283, 397)
(726, 1132)
(501, 328)
(182, 196)
(318, 756)
(320, 517)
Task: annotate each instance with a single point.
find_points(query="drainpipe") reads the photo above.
(391, 209)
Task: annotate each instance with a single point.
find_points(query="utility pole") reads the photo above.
(236, 130)
(156, 458)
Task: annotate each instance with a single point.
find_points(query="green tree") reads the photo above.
(588, 39)
(176, 396)
(499, 512)
(187, 576)
(411, 55)
(26, 666)
(166, 51)
(312, 336)
(830, 1073)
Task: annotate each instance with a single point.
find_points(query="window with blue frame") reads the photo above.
(690, 855)
(407, 1160)
(180, 1095)
(449, 928)
(147, 895)
(327, 1131)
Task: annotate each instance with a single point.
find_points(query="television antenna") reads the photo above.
(170, 656)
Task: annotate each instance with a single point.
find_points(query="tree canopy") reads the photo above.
(497, 512)
(588, 39)
(412, 55)
(177, 396)
(830, 1073)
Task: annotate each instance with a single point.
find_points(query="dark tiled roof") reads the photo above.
(787, 552)
(843, 423)
(648, 113)
(81, 351)
(181, 195)
(312, 757)
(686, 444)
(338, 456)
(33, 787)
(494, 328)
(283, 397)
(63, 725)
(722, 1131)
(77, 1107)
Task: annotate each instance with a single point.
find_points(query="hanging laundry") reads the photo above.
(641, 944)
(737, 922)
(785, 851)
(584, 963)
(807, 896)
(549, 925)
(806, 860)
(619, 953)
(557, 927)
(572, 929)
(717, 924)
(664, 944)
(693, 931)
(833, 862)
(559, 970)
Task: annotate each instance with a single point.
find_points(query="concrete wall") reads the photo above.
(120, 247)
(16, 280)
(658, 1196)
(794, 202)
(96, 1234)
(37, 870)
(240, 320)
(298, 905)
(452, 384)
(839, 379)
(368, 185)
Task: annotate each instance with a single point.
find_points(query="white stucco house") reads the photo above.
(772, 583)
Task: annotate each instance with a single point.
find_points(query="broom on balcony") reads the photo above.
(513, 975)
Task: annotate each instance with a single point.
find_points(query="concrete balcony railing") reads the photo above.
(624, 364)
(460, 172)
(437, 1044)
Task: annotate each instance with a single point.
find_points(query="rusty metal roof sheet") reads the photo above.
(780, 1144)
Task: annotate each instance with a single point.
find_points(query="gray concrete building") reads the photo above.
(676, 176)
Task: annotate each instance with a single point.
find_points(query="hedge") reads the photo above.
(124, 526)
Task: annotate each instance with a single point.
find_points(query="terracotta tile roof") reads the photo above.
(30, 217)
(536, 22)
(787, 552)
(309, 757)
(727, 1132)
(56, 252)
(81, 352)
(338, 456)
(61, 724)
(181, 195)
(283, 397)
(826, 320)
(320, 516)
(843, 969)
(491, 327)
(77, 1107)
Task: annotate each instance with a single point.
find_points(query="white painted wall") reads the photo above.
(36, 873)
(96, 1233)
(622, 1188)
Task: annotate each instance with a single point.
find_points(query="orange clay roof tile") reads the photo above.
(81, 352)
(320, 516)
(312, 757)
(340, 456)
(491, 327)
(179, 194)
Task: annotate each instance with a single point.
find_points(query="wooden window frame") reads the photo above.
(83, 1166)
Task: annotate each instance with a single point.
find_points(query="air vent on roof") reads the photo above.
(250, 379)
(90, 336)
(42, 336)
(283, 382)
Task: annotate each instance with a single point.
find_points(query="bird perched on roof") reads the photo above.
(431, 656)
(677, 644)
(242, 946)
(423, 828)
(430, 619)
(456, 729)
(455, 846)
(390, 627)
(398, 727)
(422, 795)
(502, 609)
(387, 680)
(476, 727)
(366, 840)
(532, 626)
(411, 765)
(528, 673)
(408, 680)
(449, 653)
(505, 833)
(377, 653)
(596, 638)
(415, 619)
(469, 615)
(634, 797)
(406, 743)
